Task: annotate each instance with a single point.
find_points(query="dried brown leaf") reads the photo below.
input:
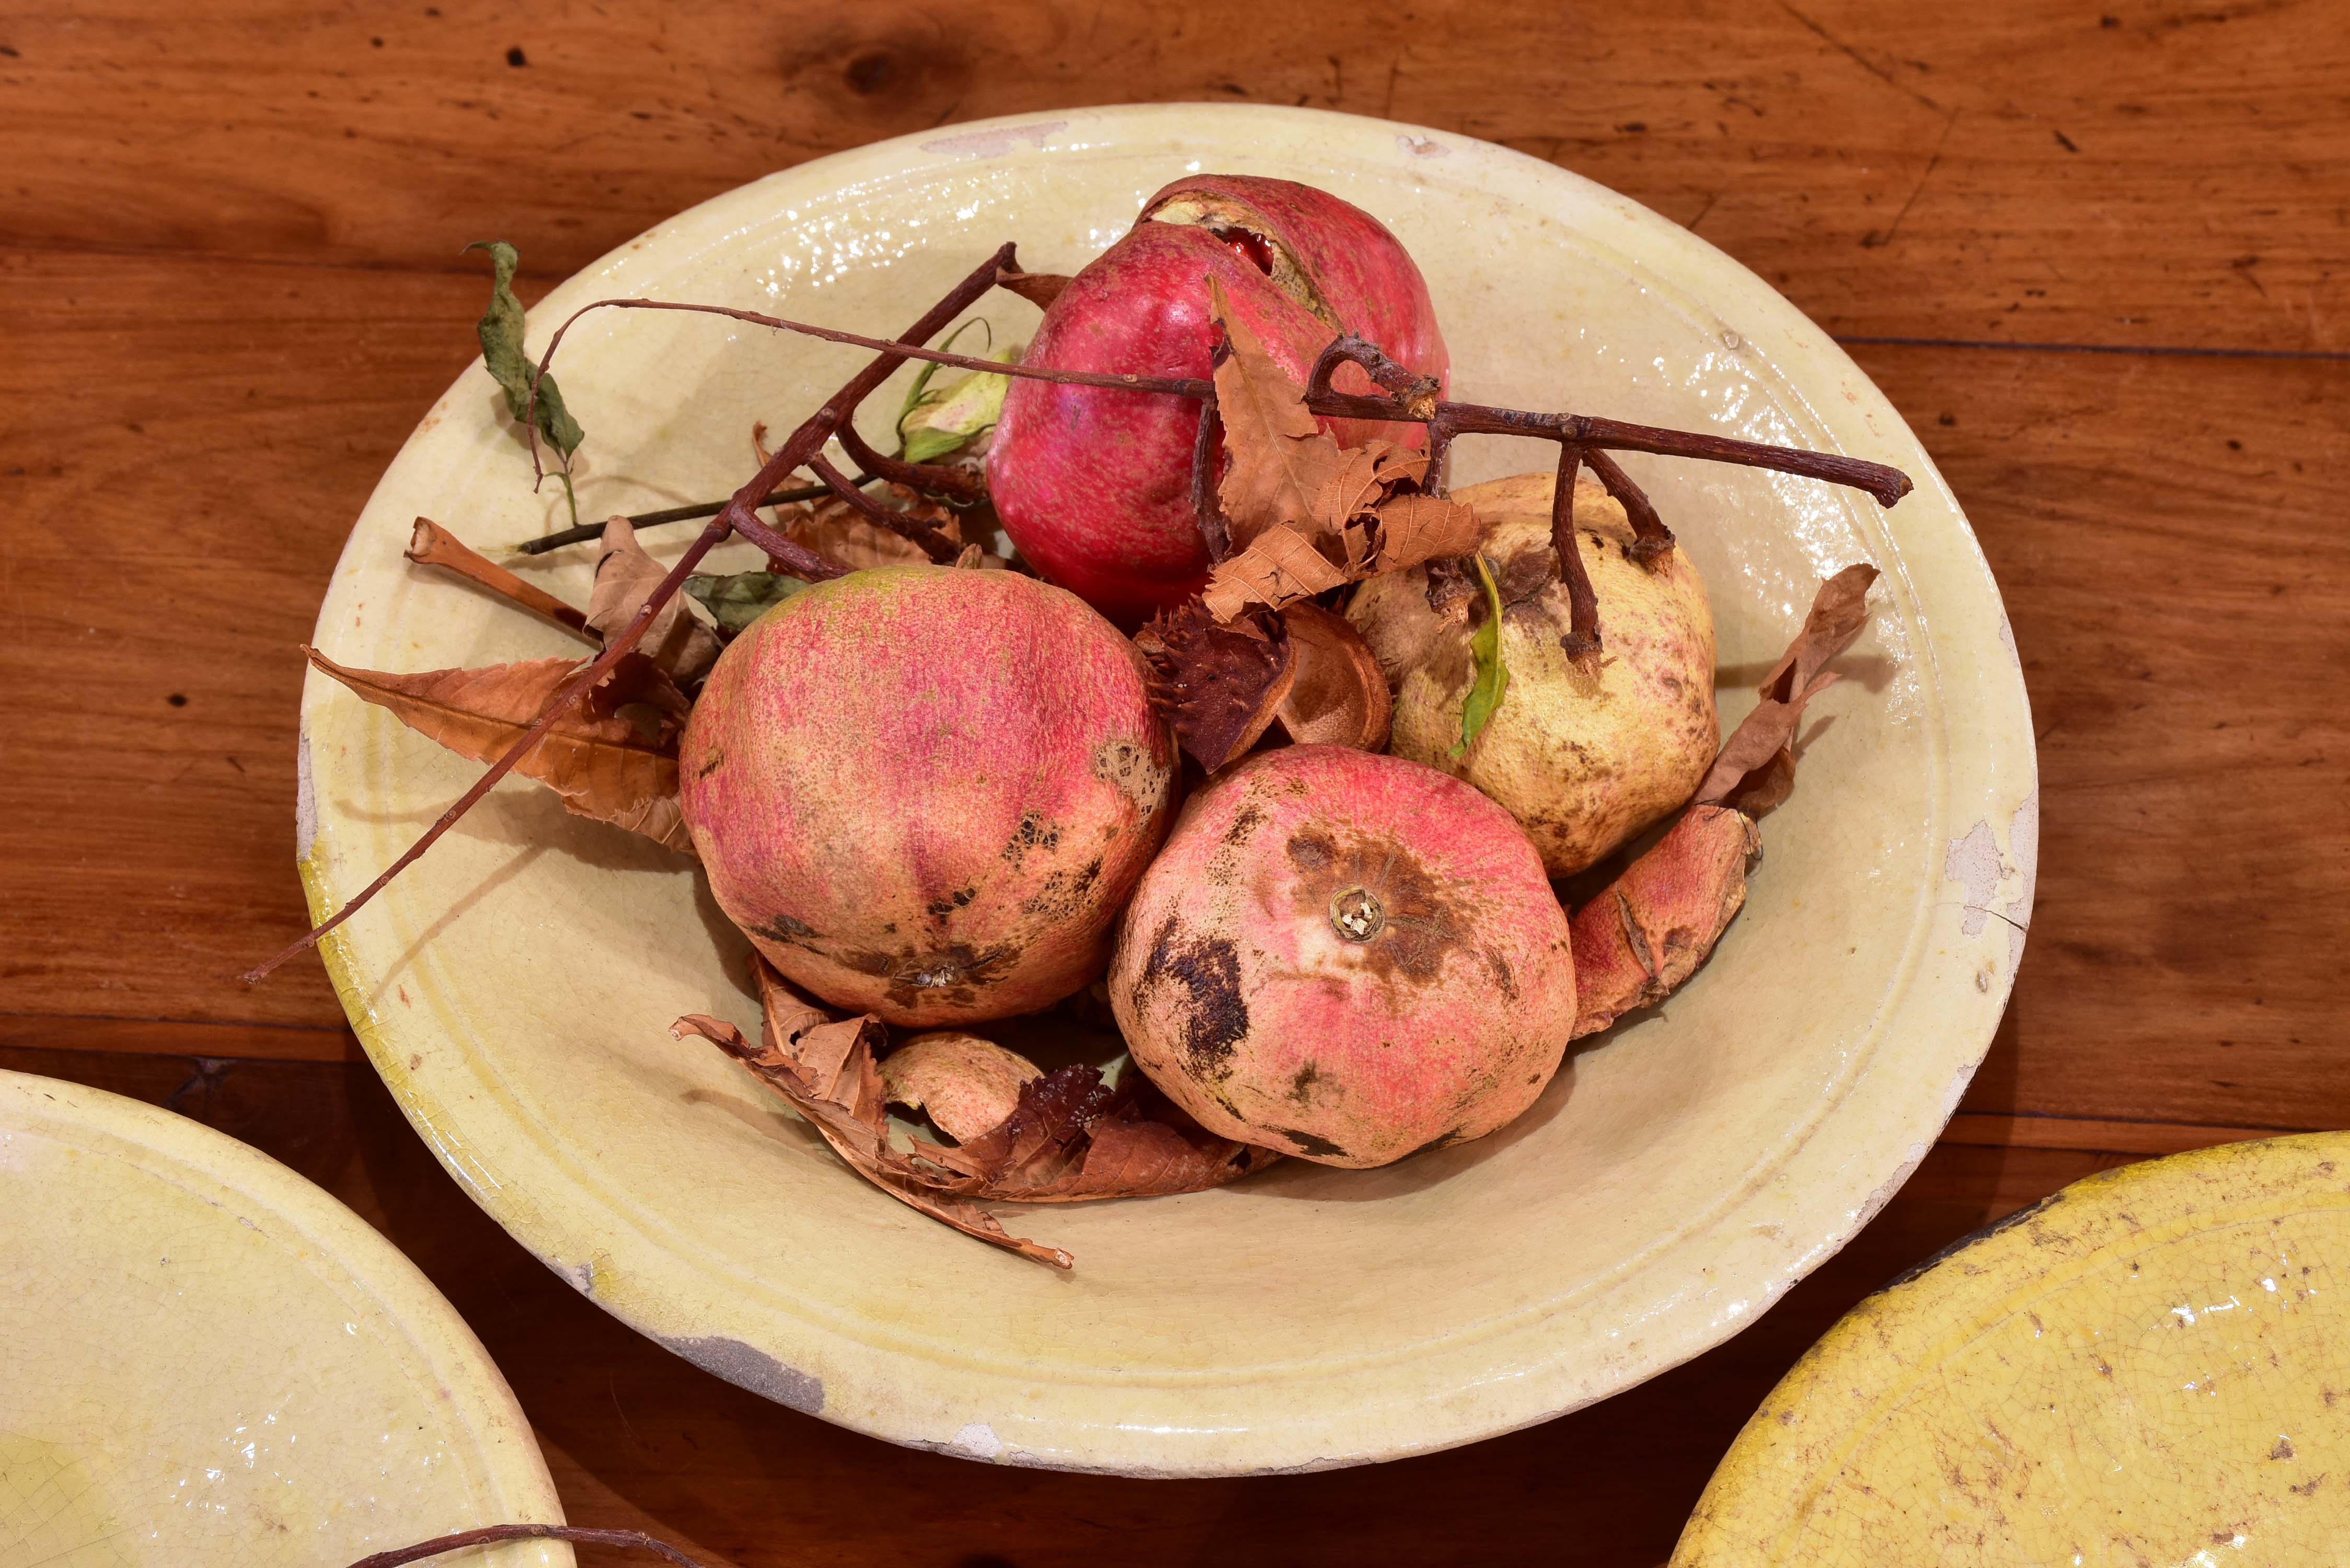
(1068, 1136)
(1414, 528)
(431, 544)
(1278, 459)
(965, 1084)
(1339, 697)
(1038, 288)
(1278, 568)
(1649, 930)
(1220, 686)
(838, 532)
(677, 640)
(612, 755)
(1755, 768)
(1366, 475)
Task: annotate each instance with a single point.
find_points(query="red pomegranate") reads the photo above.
(1094, 486)
(925, 792)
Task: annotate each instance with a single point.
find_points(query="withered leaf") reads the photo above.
(1068, 1136)
(625, 576)
(1038, 288)
(1756, 766)
(965, 1084)
(1492, 681)
(1365, 477)
(838, 532)
(1649, 930)
(1219, 686)
(501, 334)
(612, 756)
(1278, 567)
(1278, 459)
(736, 600)
(431, 544)
(1414, 528)
(1339, 697)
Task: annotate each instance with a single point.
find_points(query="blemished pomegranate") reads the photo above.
(1347, 957)
(925, 792)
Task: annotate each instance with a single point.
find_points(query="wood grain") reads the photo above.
(230, 284)
(2018, 154)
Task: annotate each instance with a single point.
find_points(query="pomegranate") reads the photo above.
(1345, 956)
(1094, 486)
(925, 792)
(1585, 759)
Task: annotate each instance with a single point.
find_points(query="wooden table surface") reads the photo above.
(2098, 254)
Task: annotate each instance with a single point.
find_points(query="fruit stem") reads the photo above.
(1581, 638)
(932, 542)
(805, 443)
(489, 1534)
(1652, 540)
(1418, 395)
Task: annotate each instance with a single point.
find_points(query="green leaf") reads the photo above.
(935, 422)
(740, 600)
(501, 332)
(1492, 677)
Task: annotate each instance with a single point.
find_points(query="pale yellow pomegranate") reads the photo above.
(1583, 760)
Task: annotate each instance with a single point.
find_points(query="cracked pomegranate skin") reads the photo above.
(1094, 486)
(1347, 957)
(925, 792)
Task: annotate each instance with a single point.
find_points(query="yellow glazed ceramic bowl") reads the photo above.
(515, 987)
(2149, 1368)
(205, 1359)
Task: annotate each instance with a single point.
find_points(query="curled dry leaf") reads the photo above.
(613, 756)
(965, 1084)
(1338, 696)
(1038, 288)
(738, 599)
(1069, 1136)
(431, 544)
(1416, 528)
(1279, 460)
(1649, 930)
(1756, 766)
(836, 530)
(1219, 686)
(1277, 568)
(625, 576)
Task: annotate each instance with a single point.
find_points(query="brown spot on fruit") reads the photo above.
(1300, 1086)
(1248, 821)
(717, 760)
(1312, 852)
(782, 929)
(1310, 1145)
(1129, 767)
(1210, 1016)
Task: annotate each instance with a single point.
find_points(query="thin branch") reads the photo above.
(587, 532)
(1581, 638)
(489, 1534)
(1652, 540)
(956, 486)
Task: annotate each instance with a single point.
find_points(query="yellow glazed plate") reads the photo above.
(2151, 1367)
(205, 1359)
(515, 987)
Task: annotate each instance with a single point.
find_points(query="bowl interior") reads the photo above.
(209, 1360)
(515, 987)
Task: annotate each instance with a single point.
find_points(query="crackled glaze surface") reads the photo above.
(2152, 1366)
(515, 988)
(203, 1359)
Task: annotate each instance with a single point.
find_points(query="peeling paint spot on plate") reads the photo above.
(997, 142)
(1974, 862)
(978, 1440)
(2023, 843)
(746, 1367)
(306, 799)
(1424, 147)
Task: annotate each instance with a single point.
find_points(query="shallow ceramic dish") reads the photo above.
(514, 989)
(205, 1359)
(2146, 1367)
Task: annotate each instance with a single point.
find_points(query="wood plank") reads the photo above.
(2121, 172)
(637, 1439)
(2167, 535)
